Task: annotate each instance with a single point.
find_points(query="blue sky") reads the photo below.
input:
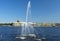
(41, 10)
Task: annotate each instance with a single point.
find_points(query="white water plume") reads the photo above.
(27, 29)
(28, 12)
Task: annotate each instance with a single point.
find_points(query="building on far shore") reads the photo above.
(18, 23)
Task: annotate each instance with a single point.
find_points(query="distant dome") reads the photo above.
(18, 21)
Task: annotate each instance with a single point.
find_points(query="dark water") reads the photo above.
(10, 33)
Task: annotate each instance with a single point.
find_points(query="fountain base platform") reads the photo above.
(29, 37)
(26, 36)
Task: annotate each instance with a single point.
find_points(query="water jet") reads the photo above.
(27, 30)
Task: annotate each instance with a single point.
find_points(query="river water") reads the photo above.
(9, 33)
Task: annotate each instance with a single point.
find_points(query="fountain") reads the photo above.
(27, 30)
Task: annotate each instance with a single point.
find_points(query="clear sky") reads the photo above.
(41, 10)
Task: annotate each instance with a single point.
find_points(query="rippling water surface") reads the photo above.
(49, 33)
